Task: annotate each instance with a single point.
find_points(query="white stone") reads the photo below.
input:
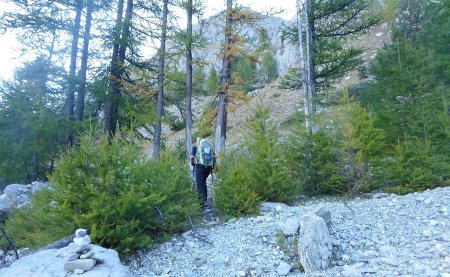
(78, 271)
(71, 256)
(351, 270)
(268, 206)
(290, 226)
(241, 273)
(426, 233)
(79, 233)
(314, 244)
(85, 265)
(283, 269)
(87, 255)
(83, 241)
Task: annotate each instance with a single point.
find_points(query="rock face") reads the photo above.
(50, 263)
(314, 245)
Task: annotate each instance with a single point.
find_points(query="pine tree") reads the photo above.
(31, 119)
(332, 24)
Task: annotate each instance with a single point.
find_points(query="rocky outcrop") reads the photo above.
(314, 244)
(17, 196)
(80, 257)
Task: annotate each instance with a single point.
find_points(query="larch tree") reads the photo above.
(188, 106)
(84, 60)
(161, 76)
(70, 96)
(221, 119)
(121, 36)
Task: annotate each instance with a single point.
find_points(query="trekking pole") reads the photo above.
(212, 189)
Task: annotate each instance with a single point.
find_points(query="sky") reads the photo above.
(10, 55)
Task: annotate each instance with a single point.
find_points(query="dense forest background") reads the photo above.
(85, 126)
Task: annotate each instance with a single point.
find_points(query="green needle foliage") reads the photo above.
(267, 162)
(314, 163)
(233, 192)
(108, 185)
(257, 171)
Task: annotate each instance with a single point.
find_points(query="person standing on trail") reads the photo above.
(203, 160)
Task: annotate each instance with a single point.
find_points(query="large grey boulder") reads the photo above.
(50, 263)
(14, 195)
(314, 245)
(19, 195)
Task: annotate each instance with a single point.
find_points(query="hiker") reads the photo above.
(202, 158)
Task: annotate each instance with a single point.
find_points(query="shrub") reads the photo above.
(361, 145)
(127, 202)
(39, 224)
(412, 167)
(267, 162)
(233, 193)
(313, 161)
(257, 171)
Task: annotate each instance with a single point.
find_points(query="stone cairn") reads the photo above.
(80, 257)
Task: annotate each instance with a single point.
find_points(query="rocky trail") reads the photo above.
(383, 235)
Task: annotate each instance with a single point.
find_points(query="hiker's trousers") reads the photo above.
(201, 174)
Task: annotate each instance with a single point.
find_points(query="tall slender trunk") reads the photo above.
(188, 106)
(310, 61)
(160, 103)
(115, 79)
(70, 98)
(84, 60)
(303, 72)
(221, 119)
(306, 61)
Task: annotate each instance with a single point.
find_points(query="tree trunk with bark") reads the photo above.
(188, 106)
(160, 100)
(303, 74)
(70, 99)
(221, 119)
(84, 61)
(122, 34)
(304, 25)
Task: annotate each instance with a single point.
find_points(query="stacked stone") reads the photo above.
(80, 257)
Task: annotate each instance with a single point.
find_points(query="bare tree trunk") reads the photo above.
(84, 61)
(310, 62)
(221, 120)
(160, 103)
(303, 71)
(70, 100)
(188, 106)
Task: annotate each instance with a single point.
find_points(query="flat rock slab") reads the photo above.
(50, 263)
(83, 264)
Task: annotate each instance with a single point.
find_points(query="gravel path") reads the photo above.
(388, 235)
